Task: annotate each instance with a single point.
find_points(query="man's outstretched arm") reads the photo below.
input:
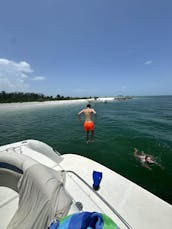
(79, 115)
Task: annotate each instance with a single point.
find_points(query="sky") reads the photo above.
(86, 47)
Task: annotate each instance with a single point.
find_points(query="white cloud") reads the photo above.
(59, 90)
(39, 78)
(14, 76)
(148, 62)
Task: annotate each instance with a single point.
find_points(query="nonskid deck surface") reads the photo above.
(130, 200)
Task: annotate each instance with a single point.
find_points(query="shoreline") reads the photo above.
(20, 105)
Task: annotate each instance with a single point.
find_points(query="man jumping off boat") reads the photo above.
(88, 123)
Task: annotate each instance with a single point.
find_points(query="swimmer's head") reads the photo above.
(147, 158)
(89, 105)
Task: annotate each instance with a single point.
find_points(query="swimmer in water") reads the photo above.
(88, 123)
(146, 159)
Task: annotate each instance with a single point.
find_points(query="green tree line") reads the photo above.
(13, 97)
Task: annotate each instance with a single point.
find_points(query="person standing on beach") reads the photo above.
(88, 123)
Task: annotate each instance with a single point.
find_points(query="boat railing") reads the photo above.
(103, 199)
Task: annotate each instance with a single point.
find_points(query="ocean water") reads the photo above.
(144, 123)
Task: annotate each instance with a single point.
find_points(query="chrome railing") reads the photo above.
(96, 193)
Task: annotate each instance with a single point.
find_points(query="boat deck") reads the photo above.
(140, 208)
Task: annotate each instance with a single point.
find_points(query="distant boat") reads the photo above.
(105, 99)
(37, 185)
(111, 99)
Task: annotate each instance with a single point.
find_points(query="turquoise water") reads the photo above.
(144, 123)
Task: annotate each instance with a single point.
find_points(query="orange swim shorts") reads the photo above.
(88, 125)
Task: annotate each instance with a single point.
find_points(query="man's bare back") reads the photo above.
(88, 124)
(88, 113)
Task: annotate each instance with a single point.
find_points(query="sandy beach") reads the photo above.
(25, 105)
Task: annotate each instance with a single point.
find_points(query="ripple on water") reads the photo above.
(143, 123)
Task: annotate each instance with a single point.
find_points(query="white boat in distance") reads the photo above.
(105, 99)
(112, 99)
(37, 184)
